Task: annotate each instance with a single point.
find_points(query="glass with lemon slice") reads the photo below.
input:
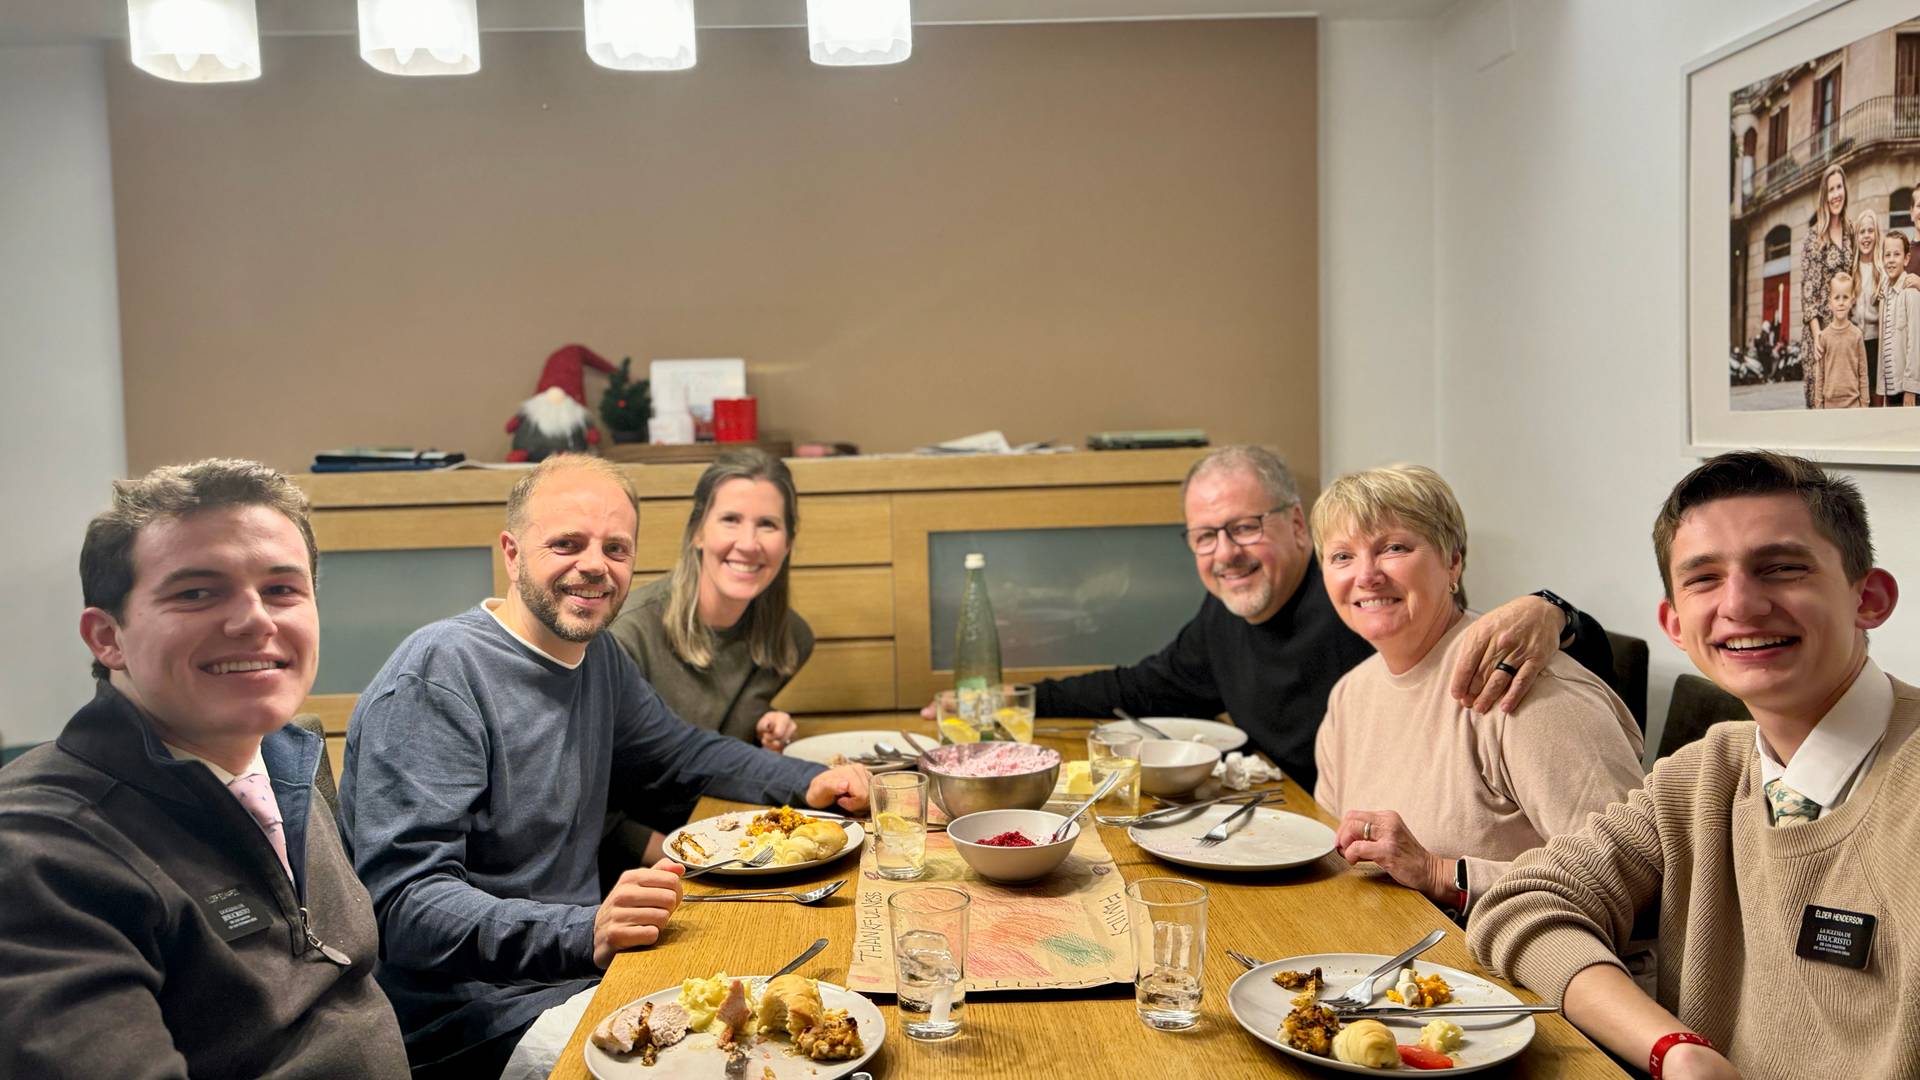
(899, 802)
(1013, 709)
(955, 725)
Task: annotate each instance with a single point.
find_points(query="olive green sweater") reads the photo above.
(730, 695)
(1732, 892)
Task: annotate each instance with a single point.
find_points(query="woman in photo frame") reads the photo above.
(1827, 251)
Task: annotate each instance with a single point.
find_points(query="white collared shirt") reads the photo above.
(257, 765)
(1841, 747)
(492, 606)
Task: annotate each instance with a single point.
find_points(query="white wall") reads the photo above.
(63, 439)
(1377, 376)
(1557, 182)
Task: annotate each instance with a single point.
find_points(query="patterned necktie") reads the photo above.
(1789, 806)
(255, 792)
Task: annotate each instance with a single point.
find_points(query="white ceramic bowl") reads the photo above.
(1011, 863)
(1172, 767)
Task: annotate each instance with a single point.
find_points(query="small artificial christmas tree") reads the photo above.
(625, 406)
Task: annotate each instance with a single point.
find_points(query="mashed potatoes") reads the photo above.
(702, 998)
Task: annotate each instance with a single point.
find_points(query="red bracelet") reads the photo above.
(1658, 1059)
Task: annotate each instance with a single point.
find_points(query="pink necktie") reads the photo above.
(255, 792)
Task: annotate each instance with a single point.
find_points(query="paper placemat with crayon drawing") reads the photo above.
(1066, 931)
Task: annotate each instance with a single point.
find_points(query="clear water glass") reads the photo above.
(1109, 752)
(1167, 918)
(929, 928)
(1013, 709)
(899, 804)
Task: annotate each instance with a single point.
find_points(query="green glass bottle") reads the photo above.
(976, 661)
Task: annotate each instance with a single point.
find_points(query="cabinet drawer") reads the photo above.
(843, 676)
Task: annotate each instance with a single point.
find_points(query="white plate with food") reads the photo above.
(778, 1026)
(1269, 840)
(1263, 1007)
(1223, 737)
(800, 839)
(840, 747)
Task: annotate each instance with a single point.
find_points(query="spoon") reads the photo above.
(1112, 779)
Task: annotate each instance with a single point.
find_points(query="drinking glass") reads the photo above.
(929, 927)
(1168, 920)
(1013, 708)
(1109, 752)
(954, 725)
(899, 802)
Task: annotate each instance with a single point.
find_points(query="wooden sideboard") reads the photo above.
(863, 573)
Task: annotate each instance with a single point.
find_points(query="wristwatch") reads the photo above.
(1460, 882)
(1572, 615)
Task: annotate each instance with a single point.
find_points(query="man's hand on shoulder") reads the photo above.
(633, 913)
(844, 786)
(1523, 634)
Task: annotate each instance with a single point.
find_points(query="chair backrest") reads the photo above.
(323, 779)
(1630, 674)
(1697, 705)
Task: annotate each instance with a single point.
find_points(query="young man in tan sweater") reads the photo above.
(1780, 851)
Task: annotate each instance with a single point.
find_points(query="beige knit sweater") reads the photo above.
(1486, 786)
(1732, 891)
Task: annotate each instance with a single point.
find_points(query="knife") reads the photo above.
(1154, 819)
(813, 950)
(1384, 1012)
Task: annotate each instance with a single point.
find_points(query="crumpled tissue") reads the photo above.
(1238, 771)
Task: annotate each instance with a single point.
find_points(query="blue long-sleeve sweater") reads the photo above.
(472, 801)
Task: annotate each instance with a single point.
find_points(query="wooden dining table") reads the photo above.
(1320, 908)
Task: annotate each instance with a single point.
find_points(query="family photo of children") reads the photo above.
(1825, 284)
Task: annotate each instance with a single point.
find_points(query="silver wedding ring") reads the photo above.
(1366, 830)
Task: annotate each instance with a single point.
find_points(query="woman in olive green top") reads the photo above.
(717, 638)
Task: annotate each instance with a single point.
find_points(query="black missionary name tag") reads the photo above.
(234, 913)
(1832, 936)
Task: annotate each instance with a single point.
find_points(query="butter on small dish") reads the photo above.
(1077, 778)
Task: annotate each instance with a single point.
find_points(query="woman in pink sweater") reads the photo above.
(1440, 796)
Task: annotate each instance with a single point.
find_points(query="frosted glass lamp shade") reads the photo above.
(640, 35)
(195, 40)
(420, 37)
(845, 33)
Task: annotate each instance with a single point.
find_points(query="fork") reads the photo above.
(759, 858)
(1360, 994)
(1220, 832)
(1243, 959)
(811, 896)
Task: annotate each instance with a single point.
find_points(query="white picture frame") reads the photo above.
(1710, 253)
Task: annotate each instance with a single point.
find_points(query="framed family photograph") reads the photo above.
(1802, 263)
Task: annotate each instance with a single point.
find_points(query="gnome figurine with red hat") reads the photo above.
(555, 419)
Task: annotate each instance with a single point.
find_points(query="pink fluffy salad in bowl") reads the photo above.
(974, 777)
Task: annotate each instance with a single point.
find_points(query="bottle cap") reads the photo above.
(976, 561)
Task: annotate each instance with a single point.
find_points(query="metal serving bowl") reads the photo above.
(963, 795)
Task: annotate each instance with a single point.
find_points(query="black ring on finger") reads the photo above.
(1506, 667)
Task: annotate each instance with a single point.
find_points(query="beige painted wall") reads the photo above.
(1048, 229)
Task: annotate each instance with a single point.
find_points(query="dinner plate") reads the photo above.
(1261, 1005)
(1270, 840)
(699, 1057)
(848, 744)
(1225, 737)
(725, 843)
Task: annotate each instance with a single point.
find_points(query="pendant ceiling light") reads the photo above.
(195, 40)
(420, 37)
(850, 32)
(640, 35)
